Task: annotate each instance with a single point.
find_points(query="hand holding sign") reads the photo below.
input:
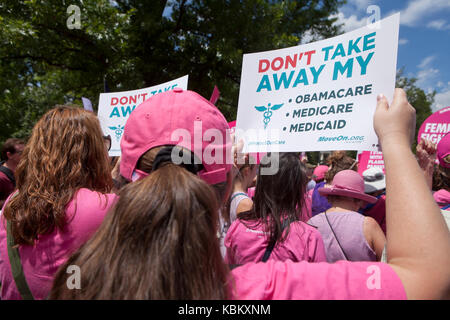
(395, 123)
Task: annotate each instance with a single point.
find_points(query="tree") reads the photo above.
(135, 44)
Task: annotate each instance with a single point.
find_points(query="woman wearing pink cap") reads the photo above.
(160, 241)
(347, 234)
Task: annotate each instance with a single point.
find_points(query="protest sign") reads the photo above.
(318, 96)
(87, 104)
(435, 126)
(115, 108)
(370, 159)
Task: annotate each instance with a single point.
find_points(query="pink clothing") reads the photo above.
(307, 209)
(348, 227)
(41, 261)
(442, 197)
(275, 280)
(246, 245)
(378, 212)
(251, 192)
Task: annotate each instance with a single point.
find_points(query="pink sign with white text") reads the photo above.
(370, 159)
(435, 126)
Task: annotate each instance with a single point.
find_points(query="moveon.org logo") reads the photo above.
(341, 138)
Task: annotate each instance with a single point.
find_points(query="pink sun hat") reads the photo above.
(443, 151)
(182, 118)
(347, 183)
(319, 172)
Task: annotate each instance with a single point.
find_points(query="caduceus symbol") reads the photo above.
(268, 112)
(118, 131)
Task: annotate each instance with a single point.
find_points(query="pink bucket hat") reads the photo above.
(183, 118)
(443, 150)
(347, 183)
(319, 172)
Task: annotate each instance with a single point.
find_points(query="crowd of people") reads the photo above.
(148, 226)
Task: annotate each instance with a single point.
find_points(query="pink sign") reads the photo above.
(215, 95)
(370, 159)
(435, 126)
(257, 155)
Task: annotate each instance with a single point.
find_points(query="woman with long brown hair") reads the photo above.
(62, 181)
(162, 234)
(274, 227)
(161, 237)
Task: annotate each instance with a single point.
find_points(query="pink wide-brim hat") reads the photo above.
(347, 183)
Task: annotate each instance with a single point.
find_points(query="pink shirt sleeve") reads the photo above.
(316, 248)
(342, 280)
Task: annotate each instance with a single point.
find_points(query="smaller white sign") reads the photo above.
(115, 108)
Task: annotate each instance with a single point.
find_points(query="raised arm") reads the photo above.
(418, 241)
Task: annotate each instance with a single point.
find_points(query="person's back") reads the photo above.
(63, 179)
(288, 280)
(247, 243)
(275, 220)
(41, 261)
(348, 228)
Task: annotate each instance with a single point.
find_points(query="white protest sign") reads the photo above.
(319, 96)
(87, 104)
(115, 108)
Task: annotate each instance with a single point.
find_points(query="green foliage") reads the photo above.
(135, 44)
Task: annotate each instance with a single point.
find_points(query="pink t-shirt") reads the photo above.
(41, 261)
(343, 280)
(246, 245)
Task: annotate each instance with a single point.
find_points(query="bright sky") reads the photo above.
(424, 42)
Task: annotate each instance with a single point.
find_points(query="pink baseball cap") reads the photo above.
(319, 172)
(347, 183)
(443, 151)
(183, 118)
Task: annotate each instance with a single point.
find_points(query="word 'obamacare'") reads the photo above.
(306, 76)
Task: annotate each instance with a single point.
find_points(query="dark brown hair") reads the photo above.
(441, 178)
(278, 196)
(65, 153)
(338, 161)
(158, 242)
(10, 146)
